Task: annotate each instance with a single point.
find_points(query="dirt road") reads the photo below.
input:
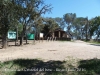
(56, 50)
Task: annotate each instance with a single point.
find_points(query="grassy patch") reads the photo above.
(93, 42)
(92, 67)
(38, 67)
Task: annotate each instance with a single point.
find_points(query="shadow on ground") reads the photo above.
(95, 44)
(35, 67)
(92, 67)
(38, 67)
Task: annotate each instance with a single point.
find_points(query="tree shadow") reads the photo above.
(0, 47)
(95, 44)
(13, 45)
(91, 66)
(38, 67)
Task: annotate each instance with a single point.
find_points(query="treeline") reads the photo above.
(80, 27)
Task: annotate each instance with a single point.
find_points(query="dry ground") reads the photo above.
(53, 50)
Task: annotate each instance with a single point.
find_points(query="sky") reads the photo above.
(82, 8)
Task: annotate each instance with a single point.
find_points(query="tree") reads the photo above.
(21, 11)
(31, 10)
(50, 26)
(7, 16)
(38, 25)
(95, 27)
(69, 18)
(78, 26)
(60, 22)
(86, 28)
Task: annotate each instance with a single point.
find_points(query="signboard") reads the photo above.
(41, 35)
(11, 35)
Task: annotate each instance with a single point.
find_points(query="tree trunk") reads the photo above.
(97, 37)
(22, 36)
(86, 30)
(86, 35)
(16, 41)
(26, 39)
(26, 34)
(17, 34)
(21, 40)
(77, 34)
(4, 41)
(37, 37)
(34, 39)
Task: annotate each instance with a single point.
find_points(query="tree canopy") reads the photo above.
(13, 12)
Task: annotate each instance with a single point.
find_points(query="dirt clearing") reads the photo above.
(53, 50)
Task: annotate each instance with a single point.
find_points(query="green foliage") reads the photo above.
(19, 26)
(95, 26)
(60, 22)
(69, 18)
(45, 30)
(39, 25)
(52, 24)
(49, 26)
(79, 27)
(13, 12)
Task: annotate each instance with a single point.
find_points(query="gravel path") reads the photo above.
(56, 50)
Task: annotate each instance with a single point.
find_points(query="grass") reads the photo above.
(38, 67)
(92, 66)
(93, 42)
